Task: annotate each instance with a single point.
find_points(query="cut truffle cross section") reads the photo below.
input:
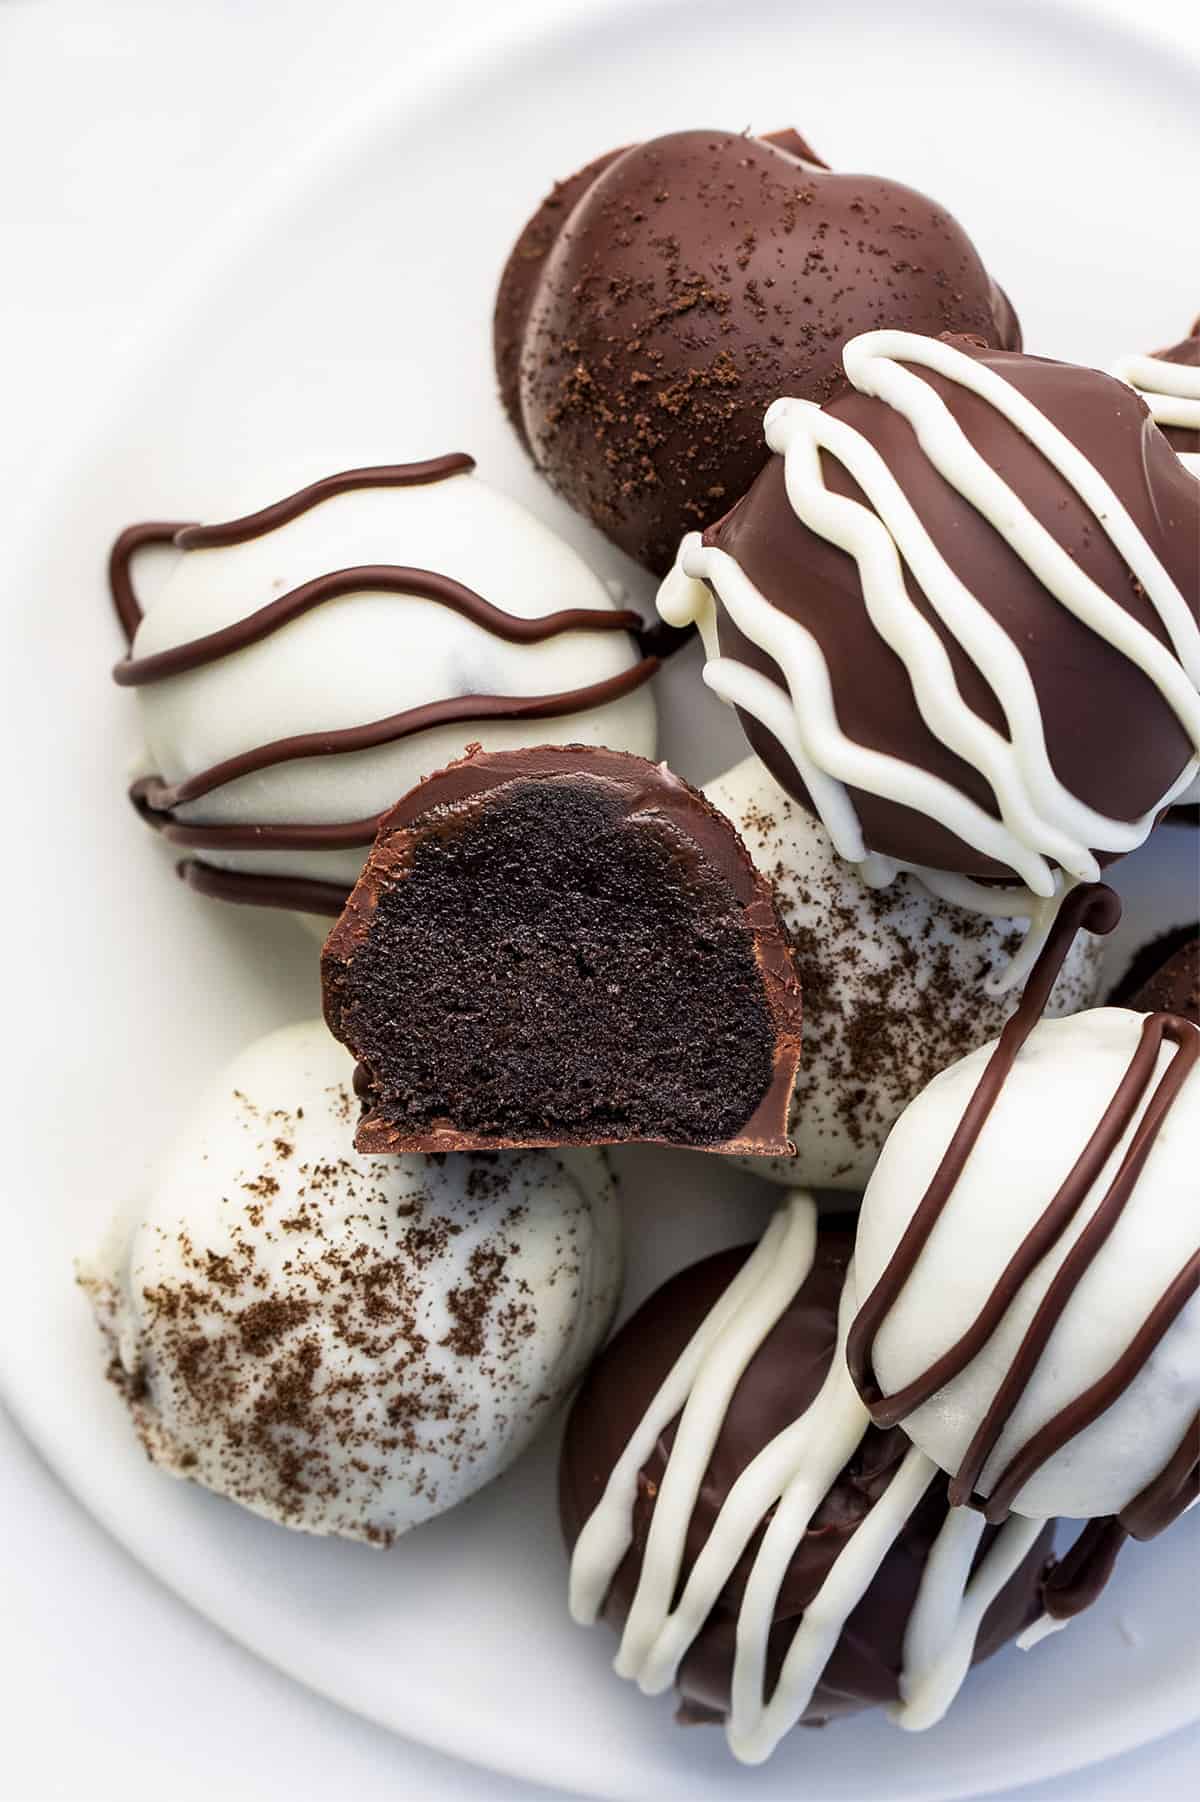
(563, 947)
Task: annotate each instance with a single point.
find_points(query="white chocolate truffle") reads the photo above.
(892, 982)
(418, 667)
(1047, 1111)
(342, 1344)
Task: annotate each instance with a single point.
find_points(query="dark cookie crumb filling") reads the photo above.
(563, 945)
(547, 965)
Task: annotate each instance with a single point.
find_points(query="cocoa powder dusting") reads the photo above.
(291, 1367)
(887, 1003)
(652, 310)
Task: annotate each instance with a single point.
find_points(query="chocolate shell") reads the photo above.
(1185, 355)
(660, 299)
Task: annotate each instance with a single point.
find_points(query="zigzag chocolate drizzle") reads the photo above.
(1082, 1574)
(156, 800)
(279, 513)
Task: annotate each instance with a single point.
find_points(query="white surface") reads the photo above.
(103, 1674)
(93, 1152)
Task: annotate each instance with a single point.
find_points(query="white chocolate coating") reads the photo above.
(893, 981)
(349, 1345)
(367, 656)
(787, 1481)
(1047, 1110)
(1043, 827)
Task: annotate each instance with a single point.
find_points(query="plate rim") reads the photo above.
(183, 293)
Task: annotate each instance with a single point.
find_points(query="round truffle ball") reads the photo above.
(957, 613)
(893, 982)
(273, 750)
(348, 1345)
(1169, 382)
(1046, 1115)
(659, 300)
(779, 1383)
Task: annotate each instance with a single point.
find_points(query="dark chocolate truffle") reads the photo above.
(563, 947)
(1164, 977)
(957, 612)
(659, 300)
(1169, 382)
(782, 1380)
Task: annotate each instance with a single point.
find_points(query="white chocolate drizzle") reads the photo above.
(1170, 390)
(1045, 833)
(787, 1480)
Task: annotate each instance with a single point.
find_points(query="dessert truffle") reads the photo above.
(957, 616)
(348, 1346)
(1169, 382)
(896, 983)
(754, 1540)
(660, 300)
(1164, 977)
(307, 663)
(1026, 1271)
(563, 946)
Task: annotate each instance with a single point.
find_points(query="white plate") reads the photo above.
(354, 321)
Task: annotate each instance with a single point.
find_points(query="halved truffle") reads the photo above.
(563, 946)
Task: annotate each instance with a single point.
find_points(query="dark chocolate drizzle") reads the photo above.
(187, 536)
(1168, 1494)
(1077, 1578)
(1101, 1395)
(385, 578)
(158, 797)
(156, 800)
(268, 519)
(1082, 1575)
(120, 581)
(303, 894)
